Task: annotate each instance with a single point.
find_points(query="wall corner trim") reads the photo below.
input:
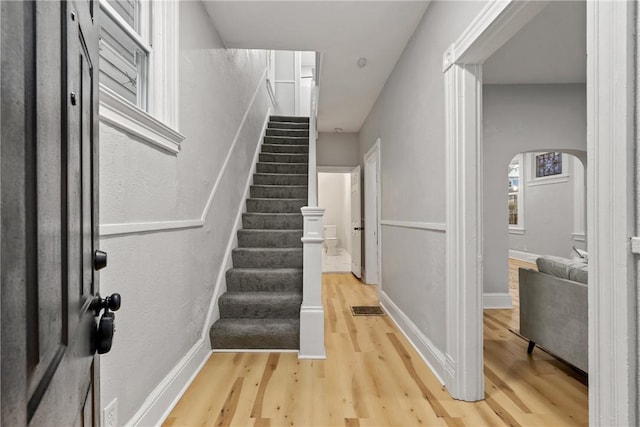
(497, 300)
(166, 395)
(430, 354)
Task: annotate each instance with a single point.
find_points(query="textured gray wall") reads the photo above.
(409, 118)
(337, 149)
(167, 278)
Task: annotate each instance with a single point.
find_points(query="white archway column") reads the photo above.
(610, 214)
(464, 359)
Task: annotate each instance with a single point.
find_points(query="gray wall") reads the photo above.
(337, 149)
(409, 118)
(167, 278)
(549, 214)
(517, 119)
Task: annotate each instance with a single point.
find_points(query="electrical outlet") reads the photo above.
(110, 414)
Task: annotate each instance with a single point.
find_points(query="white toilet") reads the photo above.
(331, 239)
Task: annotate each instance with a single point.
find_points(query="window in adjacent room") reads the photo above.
(515, 189)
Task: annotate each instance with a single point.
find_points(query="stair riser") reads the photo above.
(289, 119)
(279, 192)
(288, 125)
(269, 239)
(256, 342)
(283, 168)
(272, 222)
(290, 179)
(256, 338)
(283, 158)
(286, 140)
(293, 149)
(259, 310)
(289, 132)
(267, 259)
(275, 205)
(263, 281)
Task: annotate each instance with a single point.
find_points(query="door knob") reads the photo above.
(358, 228)
(111, 302)
(99, 260)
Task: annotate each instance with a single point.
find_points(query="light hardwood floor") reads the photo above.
(373, 377)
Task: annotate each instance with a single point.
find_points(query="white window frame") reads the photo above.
(158, 37)
(532, 180)
(519, 227)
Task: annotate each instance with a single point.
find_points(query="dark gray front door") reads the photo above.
(48, 180)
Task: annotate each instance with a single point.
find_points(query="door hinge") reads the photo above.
(635, 245)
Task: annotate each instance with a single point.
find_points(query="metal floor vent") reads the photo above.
(367, 310)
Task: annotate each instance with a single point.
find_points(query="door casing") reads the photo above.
(372, 206)
(610, 213)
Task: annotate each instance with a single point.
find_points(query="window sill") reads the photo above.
(124, 115)
(516, 230)
(548, 180)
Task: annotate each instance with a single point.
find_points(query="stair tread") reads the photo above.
(287, 154)
(267, 249)
(270, 230)
(283, 163)
(261, 295)
(267, 198)
(305, 138)
(280, 174)
(279, 185)
(261, 323)
(265, 270)
(273, 213)
(285, 145)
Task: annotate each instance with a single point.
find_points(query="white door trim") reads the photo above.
(373, 277)
(609, 211)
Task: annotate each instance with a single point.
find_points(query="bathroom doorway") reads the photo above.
(334, 195)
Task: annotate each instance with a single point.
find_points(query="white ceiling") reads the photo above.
(549, 49)
(342, 30)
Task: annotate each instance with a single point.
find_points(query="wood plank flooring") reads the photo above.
(373, 377)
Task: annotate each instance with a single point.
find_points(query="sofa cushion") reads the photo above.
(576, 270)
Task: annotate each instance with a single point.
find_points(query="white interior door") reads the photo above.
(371, 215)
(356, 224)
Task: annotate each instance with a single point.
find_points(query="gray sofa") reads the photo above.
(553, 309)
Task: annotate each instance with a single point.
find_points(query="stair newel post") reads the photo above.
(312, 310)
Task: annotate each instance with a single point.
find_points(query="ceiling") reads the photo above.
(549, 49)
(343, 31)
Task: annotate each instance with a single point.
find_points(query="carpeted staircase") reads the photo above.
(261, 308)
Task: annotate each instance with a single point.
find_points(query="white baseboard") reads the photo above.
(497, 300)
(159, 404)
(221, 282)
(523, 256)
(432, 356)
